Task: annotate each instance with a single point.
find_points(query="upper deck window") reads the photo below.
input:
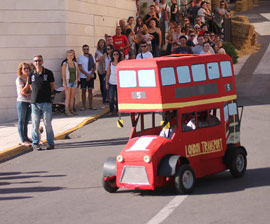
(226, 68)
(213, 70)
(167, 76)
(198, 72)
(183, 74)
(147, 78)
(127, 78)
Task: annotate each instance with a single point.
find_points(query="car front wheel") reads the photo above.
(184, 179)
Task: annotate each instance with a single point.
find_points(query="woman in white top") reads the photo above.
(70, 75)
(111, 83)
(23, 102)
(204, 12)
(100, 57)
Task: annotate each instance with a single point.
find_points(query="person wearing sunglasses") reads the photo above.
(111, 83)
(87, 65)
(23, 102)
(144, 52)
(221, 13)
(41, 81)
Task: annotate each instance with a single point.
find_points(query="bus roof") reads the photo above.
(174, 81)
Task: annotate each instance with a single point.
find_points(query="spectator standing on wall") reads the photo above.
(221, 13)
(111, 82)
(70, 75)
(23, 102)
(164, 19)
(41, 82)
(157, 38)
(192, 11)
(145, 53)
(130, 24)
(183, 48)
(87, 65)
(100, 59)
(120, 41)
(122, 24)
(175, 15)
(131, 40)
(152, 15)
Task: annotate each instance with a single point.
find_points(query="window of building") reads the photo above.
(226, 68)
(167, 76)
(198, 72)
(183, 74)
(213, 70)
(127, 78)
(147, 78)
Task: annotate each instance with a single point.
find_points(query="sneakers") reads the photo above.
(36, 147)
(49, 147)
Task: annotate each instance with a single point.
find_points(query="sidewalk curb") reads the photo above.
(17, 150)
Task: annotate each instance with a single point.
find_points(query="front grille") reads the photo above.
(134, 175)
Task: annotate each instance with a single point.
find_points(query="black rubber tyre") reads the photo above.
(110, 184)
(238, 164)
(184, 179)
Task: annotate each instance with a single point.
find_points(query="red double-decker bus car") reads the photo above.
(185, 123)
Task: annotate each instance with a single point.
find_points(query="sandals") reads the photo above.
(92, 108)
(82, 109)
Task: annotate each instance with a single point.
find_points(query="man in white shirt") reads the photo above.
(87, 65)
(145, 53)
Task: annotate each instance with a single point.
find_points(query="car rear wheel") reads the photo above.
(109, 184)
(184, 179)
(238, 164)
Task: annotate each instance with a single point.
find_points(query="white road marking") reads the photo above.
(167, 210)
(266, 15)
(263, 67)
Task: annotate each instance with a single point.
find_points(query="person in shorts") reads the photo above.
(87, 65)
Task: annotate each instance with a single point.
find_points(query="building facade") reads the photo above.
(49, 28)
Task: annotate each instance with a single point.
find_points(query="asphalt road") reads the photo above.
(63, 186)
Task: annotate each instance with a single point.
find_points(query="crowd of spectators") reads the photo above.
(168, 28)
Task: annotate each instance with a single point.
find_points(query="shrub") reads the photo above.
(230, 50)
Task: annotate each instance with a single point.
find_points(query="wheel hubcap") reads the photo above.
(240, 162)
(187, 179)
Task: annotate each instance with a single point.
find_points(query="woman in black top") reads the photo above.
(157, 38)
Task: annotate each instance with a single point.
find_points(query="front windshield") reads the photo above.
(156, 123)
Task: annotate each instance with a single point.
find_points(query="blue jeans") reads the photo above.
(112, 93)
(103, 89)
(43, 110)
(24, 116)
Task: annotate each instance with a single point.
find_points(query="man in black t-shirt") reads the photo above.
(41, 82)
(183, 49)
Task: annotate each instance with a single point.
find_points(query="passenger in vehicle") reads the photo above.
(189, 122)
(170, 116)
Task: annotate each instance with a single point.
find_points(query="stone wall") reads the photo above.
(30, 27)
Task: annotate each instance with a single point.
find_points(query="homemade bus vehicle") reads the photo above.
(200, 134)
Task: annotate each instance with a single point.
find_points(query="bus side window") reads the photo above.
(226, 68)
(189, 122)
(203, 119)
(214, 117)
(167, 76)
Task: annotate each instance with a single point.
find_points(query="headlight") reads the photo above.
(120, 158)
(147, 159)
